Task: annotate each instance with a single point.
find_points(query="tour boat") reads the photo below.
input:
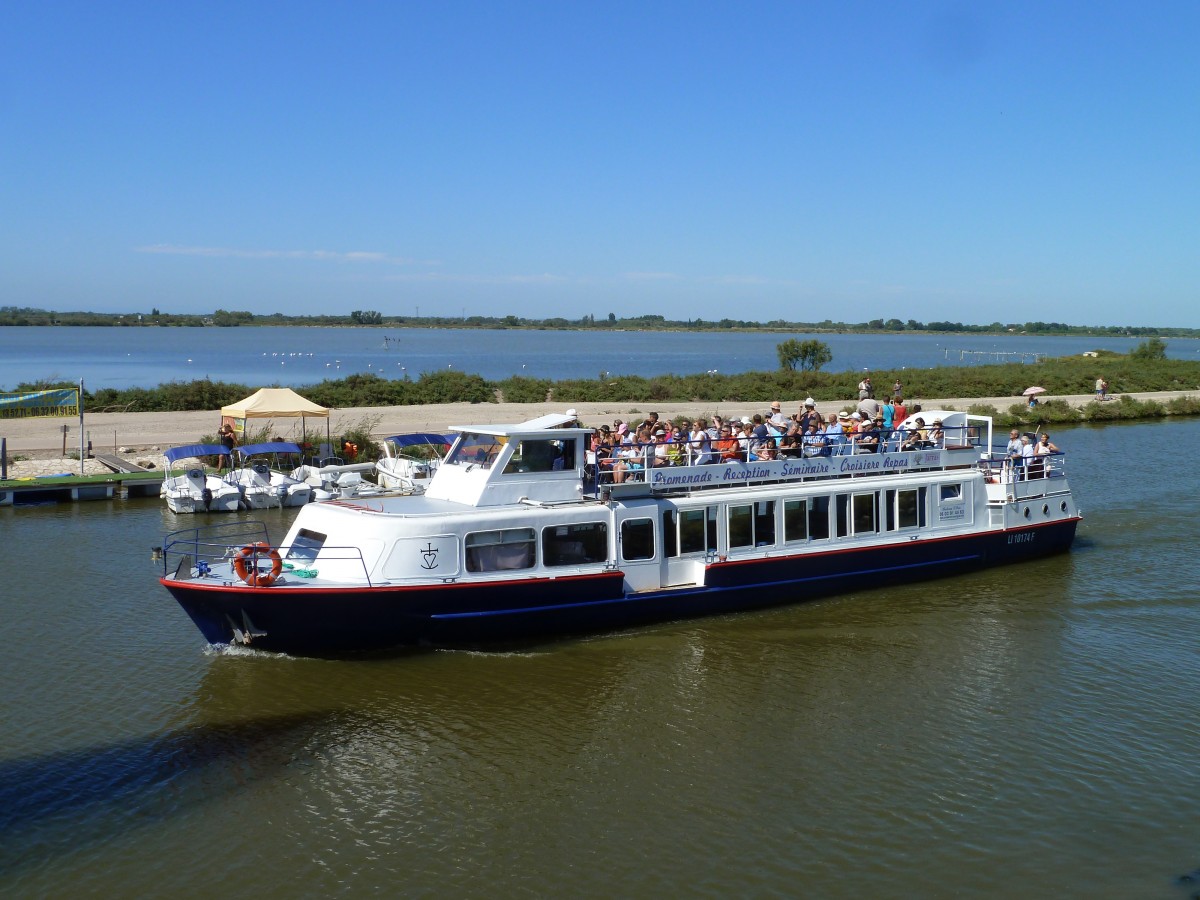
(192, 489)
(519, 537)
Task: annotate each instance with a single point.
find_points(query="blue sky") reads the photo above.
(971, 162)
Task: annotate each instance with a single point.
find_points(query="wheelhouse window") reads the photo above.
(501, 550)
(542, 455)
(475, 450)
(305, 547)
(637, 539)
(575, 544)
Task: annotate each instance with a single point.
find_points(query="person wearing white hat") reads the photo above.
(809, 414)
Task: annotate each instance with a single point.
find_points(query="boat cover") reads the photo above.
(174, 453)
(270, 447)
(419, 438)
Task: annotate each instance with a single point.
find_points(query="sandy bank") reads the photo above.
(145, 435)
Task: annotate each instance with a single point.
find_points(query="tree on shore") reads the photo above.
(1155, 348)
(808, 356)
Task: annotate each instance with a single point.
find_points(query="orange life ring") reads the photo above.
(251, 574)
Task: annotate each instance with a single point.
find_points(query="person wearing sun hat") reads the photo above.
(777, 419)
(809, 414)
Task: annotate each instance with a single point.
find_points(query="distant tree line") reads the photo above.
(221, 318)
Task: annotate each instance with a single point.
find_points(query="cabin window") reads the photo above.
(305, 547)
(905, 509)
(475, 450)
(818, 518)
(575, 544)
(698, 530)
(842, 511)
(950, 492)
(670, 533)
(795, 520)
(637, 539)
(864, 508)
(502, 550)
(752, 525)
(741, 526)
(540, 455)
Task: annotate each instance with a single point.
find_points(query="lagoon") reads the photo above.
(297, 356)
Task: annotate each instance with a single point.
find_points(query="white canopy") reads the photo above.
(274, 403)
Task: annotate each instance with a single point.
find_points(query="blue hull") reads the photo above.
(305, 621)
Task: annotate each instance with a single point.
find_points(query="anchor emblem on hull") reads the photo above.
(429, 554)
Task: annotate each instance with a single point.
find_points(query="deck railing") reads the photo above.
(208, 545)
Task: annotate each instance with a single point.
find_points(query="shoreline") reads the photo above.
(144, 435)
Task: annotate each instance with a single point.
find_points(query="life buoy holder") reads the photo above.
(245, 564)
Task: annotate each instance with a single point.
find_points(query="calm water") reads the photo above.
(1028, 731)
(146, 357)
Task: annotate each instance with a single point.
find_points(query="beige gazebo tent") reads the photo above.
(273, 403)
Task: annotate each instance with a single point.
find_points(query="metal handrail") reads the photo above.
(217, 543)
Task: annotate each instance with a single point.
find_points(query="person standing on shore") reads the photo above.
(229, 439)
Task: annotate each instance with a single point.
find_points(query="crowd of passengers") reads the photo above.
(624, 450)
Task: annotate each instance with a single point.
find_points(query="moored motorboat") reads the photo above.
(260, 478)
(338, 481)
(410, 460)
(515, 539)
(189, 488)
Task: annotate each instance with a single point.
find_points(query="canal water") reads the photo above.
(1026, 731)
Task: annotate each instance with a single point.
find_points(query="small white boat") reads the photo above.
(260, 481)
(410, 460)
(338, 482)
(190, 489)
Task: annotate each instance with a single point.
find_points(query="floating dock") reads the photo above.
(74, 488)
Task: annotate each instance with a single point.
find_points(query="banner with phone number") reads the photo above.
(29, 404)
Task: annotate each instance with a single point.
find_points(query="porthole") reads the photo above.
(1027, 512)
(1045, 509)
(1063, 506)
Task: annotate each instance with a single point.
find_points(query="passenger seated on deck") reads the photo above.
(789, 447)
(937, 437)
(625, 458)
(867, 440)
(726, 446)
(700, 444)
(917, 438)
(1031, 465)
(766, 451)
(675, 444)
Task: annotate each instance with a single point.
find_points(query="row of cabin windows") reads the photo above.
(688, 531)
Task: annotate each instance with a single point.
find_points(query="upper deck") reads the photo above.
(548, 460)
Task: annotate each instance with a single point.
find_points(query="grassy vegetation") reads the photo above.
(1125, 374)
